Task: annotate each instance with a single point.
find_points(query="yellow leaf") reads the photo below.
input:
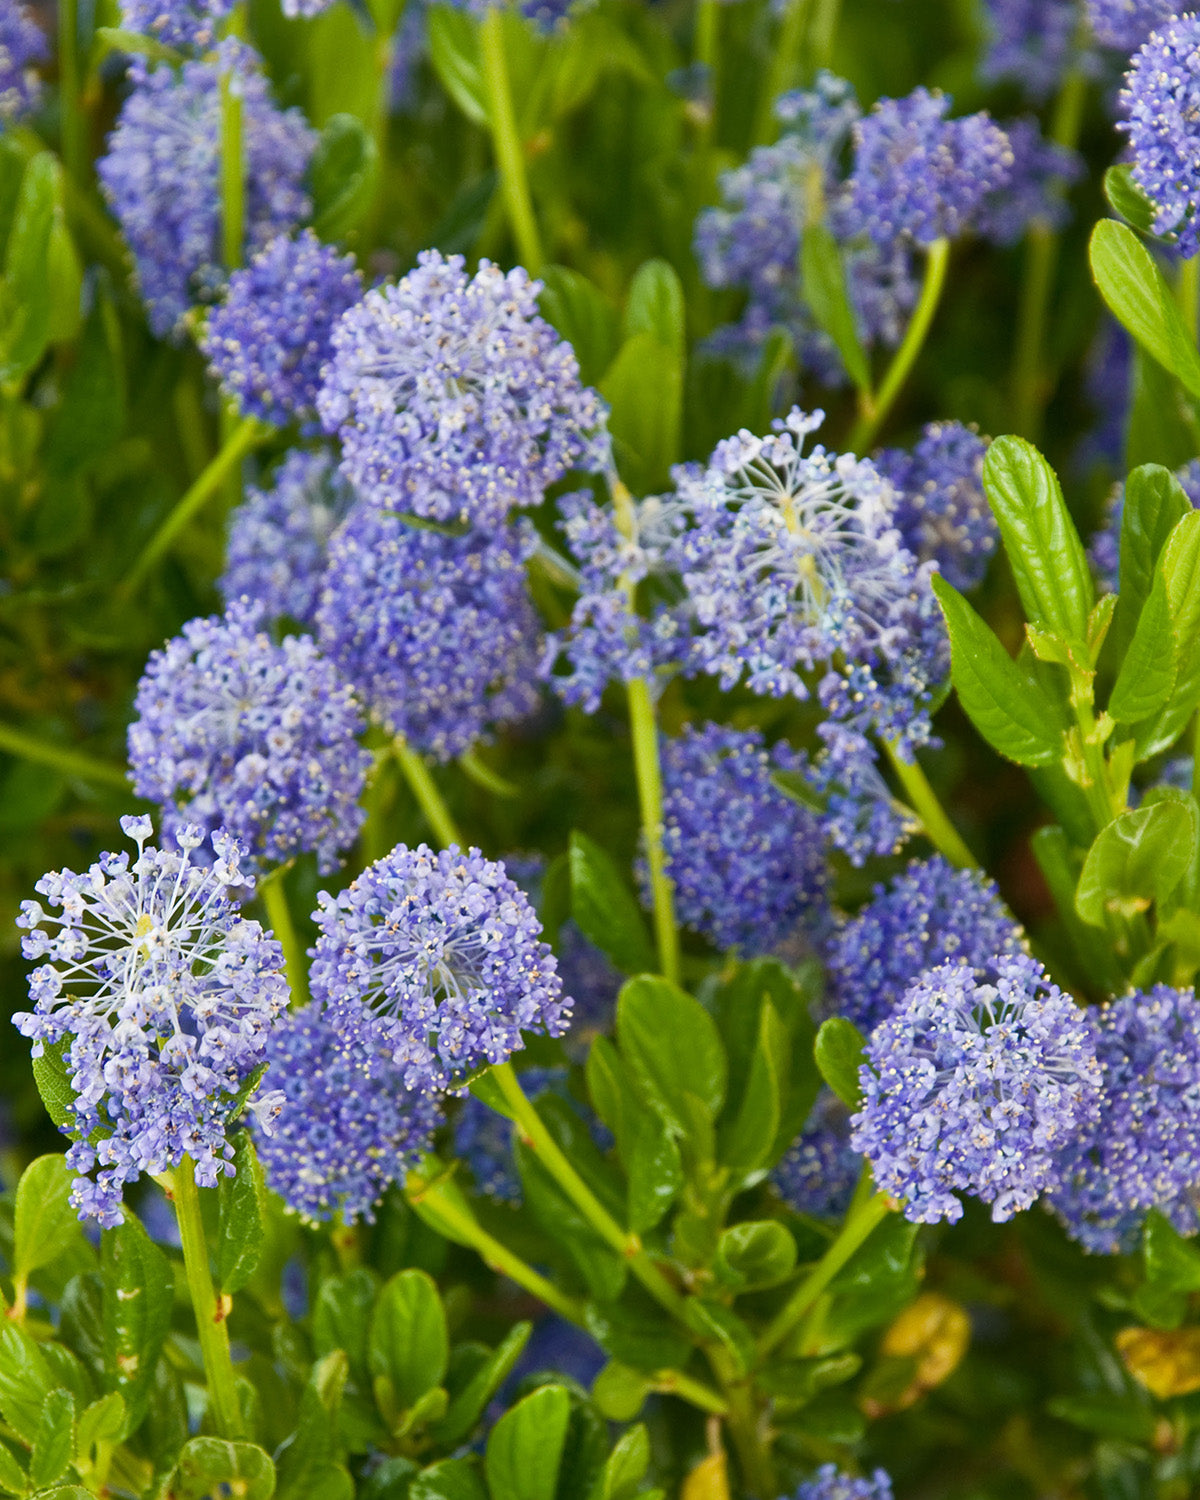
(1165, 1361)
(709, 1480)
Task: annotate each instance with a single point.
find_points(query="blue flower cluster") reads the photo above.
(1125, 24)
(1035, 190)
(161, 175)
(436, 961)
(942, 513)
(1161, 101)
(818, 1173)
(930, 914)
(183, 24)
(233, 731)
(974, 1084)
(860, 816)
(437, 633)
(831, 1483)
(746, 860)
(454, 399)
(1030, 42)
(22, 46)
(163, 997)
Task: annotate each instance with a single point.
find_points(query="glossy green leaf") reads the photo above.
(243, 1211)
(1153, 506)
(526, 1447)
(45, 1224)
(625, 1468)
(760, 1253)
(655, 306)
(1127, 198)
(644, 390)
(344, 176)
(342, 67)
(1150, 665)
(823, 275)
(839, 1052)
(408, 1342)
(619, 1393)
(452, 1479)
(605, 909)
(53, 1080)
(1179, 566)
(1139, 858)
(655, 1173)
(601, 1267)
(637, 1337)
(25, 1380)
(341, 1316)
(209, 1468)
(673, 1050)
(1138, 296)
(54, 1441)
(746, 1145)
(306, 1466)
(25, 293)
(13, 1479)
(453, 39)
(100, 1422)
(138, 1294)
(469, 1404)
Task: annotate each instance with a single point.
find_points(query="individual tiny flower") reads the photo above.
(747, 862)
(162, 175)
(1105, 548)
(1125, 24)
(436, 961)
(930, 914)
(942, 513)
(859, 816)
(347, 1129)
(22, 46)
(162, 995)
(1030, 42)
(437, 633)
(1142, 1151)
(820, 1170)
(234, 731)
(1161, 105)
(831, 1483)
(1035, 191)
(919, 175)
(182, 24)
(454, 398)
(279, 537)
(974, 1084)
(268, 340)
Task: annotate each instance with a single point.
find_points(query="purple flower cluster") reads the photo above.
(860, 816)
(1125, 24)
(830, 1483)
(163, 996)
(942, 513)
(974, 1084)
(437, 633)
(819, 1172)
(546, 15)
(747, 861)
(182, 24)
(161, 175)
(1030, 42)
(930, 914)
(1143, 1149)
(454, 398)
(1161, 103)
(1035, 190)
(279, 537)
(233, 731)
(436, 961)
(269, 339)
(22, 45)
(347, 1130)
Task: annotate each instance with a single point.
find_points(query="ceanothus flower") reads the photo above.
(1143, 1149)
(483, 1139)
(919, 175)
(162, 996)
(162, 175)
(974, 1084)
(746, 860)
(859, 816)
(437, 633)
(1125, 24)
(22, 45)
(830, 1483)
(279, 537)
(234, 731)
(819, 1171)
(268, 341)
(929, 914)
(942, 513)
(793, 565)
(1035, 191)
(1161, 102)
(182, 24)
(347, 1130)
(1105, 549)
(1030, 43)
(454, 398)
(436, 961)
(546, 15)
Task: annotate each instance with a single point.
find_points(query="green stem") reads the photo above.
(867, 1211)
(233, 173)
(424, 789)
(69, 762)
(754, 1458)
(279, 916)
(69, 101)
(875, 411)
(210, 1312)
(824, 32)
(688, 1388)
(783, 69)
(245, 436)
(483, 775)
(506, 142)
(706, 53)
(547, 1149)
(939, 830)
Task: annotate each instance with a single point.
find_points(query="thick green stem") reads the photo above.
(754, 1456)
(424, 789)
(70, 104)
(279, 916)
(783, 68)
(210, 1311)
(875, 410)
(867, 1211)
(483, 775)
(706, 54)
(69, 762)
(546, 1148)
(824, 32)
(506, 141)
(939, 830)
(233, 172)
(245, 436)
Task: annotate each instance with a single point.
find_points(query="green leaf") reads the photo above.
(341, 1316)
(655, 306)
(45, 1224)
(525, 1448)
(601, 1267)
(584, 316)
(619, 1393)
(673, 1050)
(1127, 199)
(605, 909)
(25, 1380)
(469, 1404)
(760, 1253)
(823, 276)
(1149, 668)
(644, 389)
(53, 1080)
(1153, 506)
(1140, 299)
(638, 1337)
(344, 176)
(102, 1421)
(1110, 1415)
(138, 1293)
(91, 415)
(54, 1442)
(211, 1467)
(839, 1052)
(408, 1342)
(1140, 857)
(1047, 558)
(342, 68)
(1005, 702)
(243, 1211)
(626, 1466)
(452, 1479)
(655, 1173)
(25, 294)
(1179, 566)
(13, 1480)
(746, 1145)
(1171, 1262)
(453, 41)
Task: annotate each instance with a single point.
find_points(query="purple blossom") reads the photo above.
(974, 1084)
(820, 1170)
(1035, 191)
(237, 732)
(22, 46)
(1030, 42)
(435, 960)
(1125, 24)
(454, 398)
(269, 339)
(942, 514)
(860, 815)
(163, 996)
(183, 24)
(1161, 103)
(830, 1483)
